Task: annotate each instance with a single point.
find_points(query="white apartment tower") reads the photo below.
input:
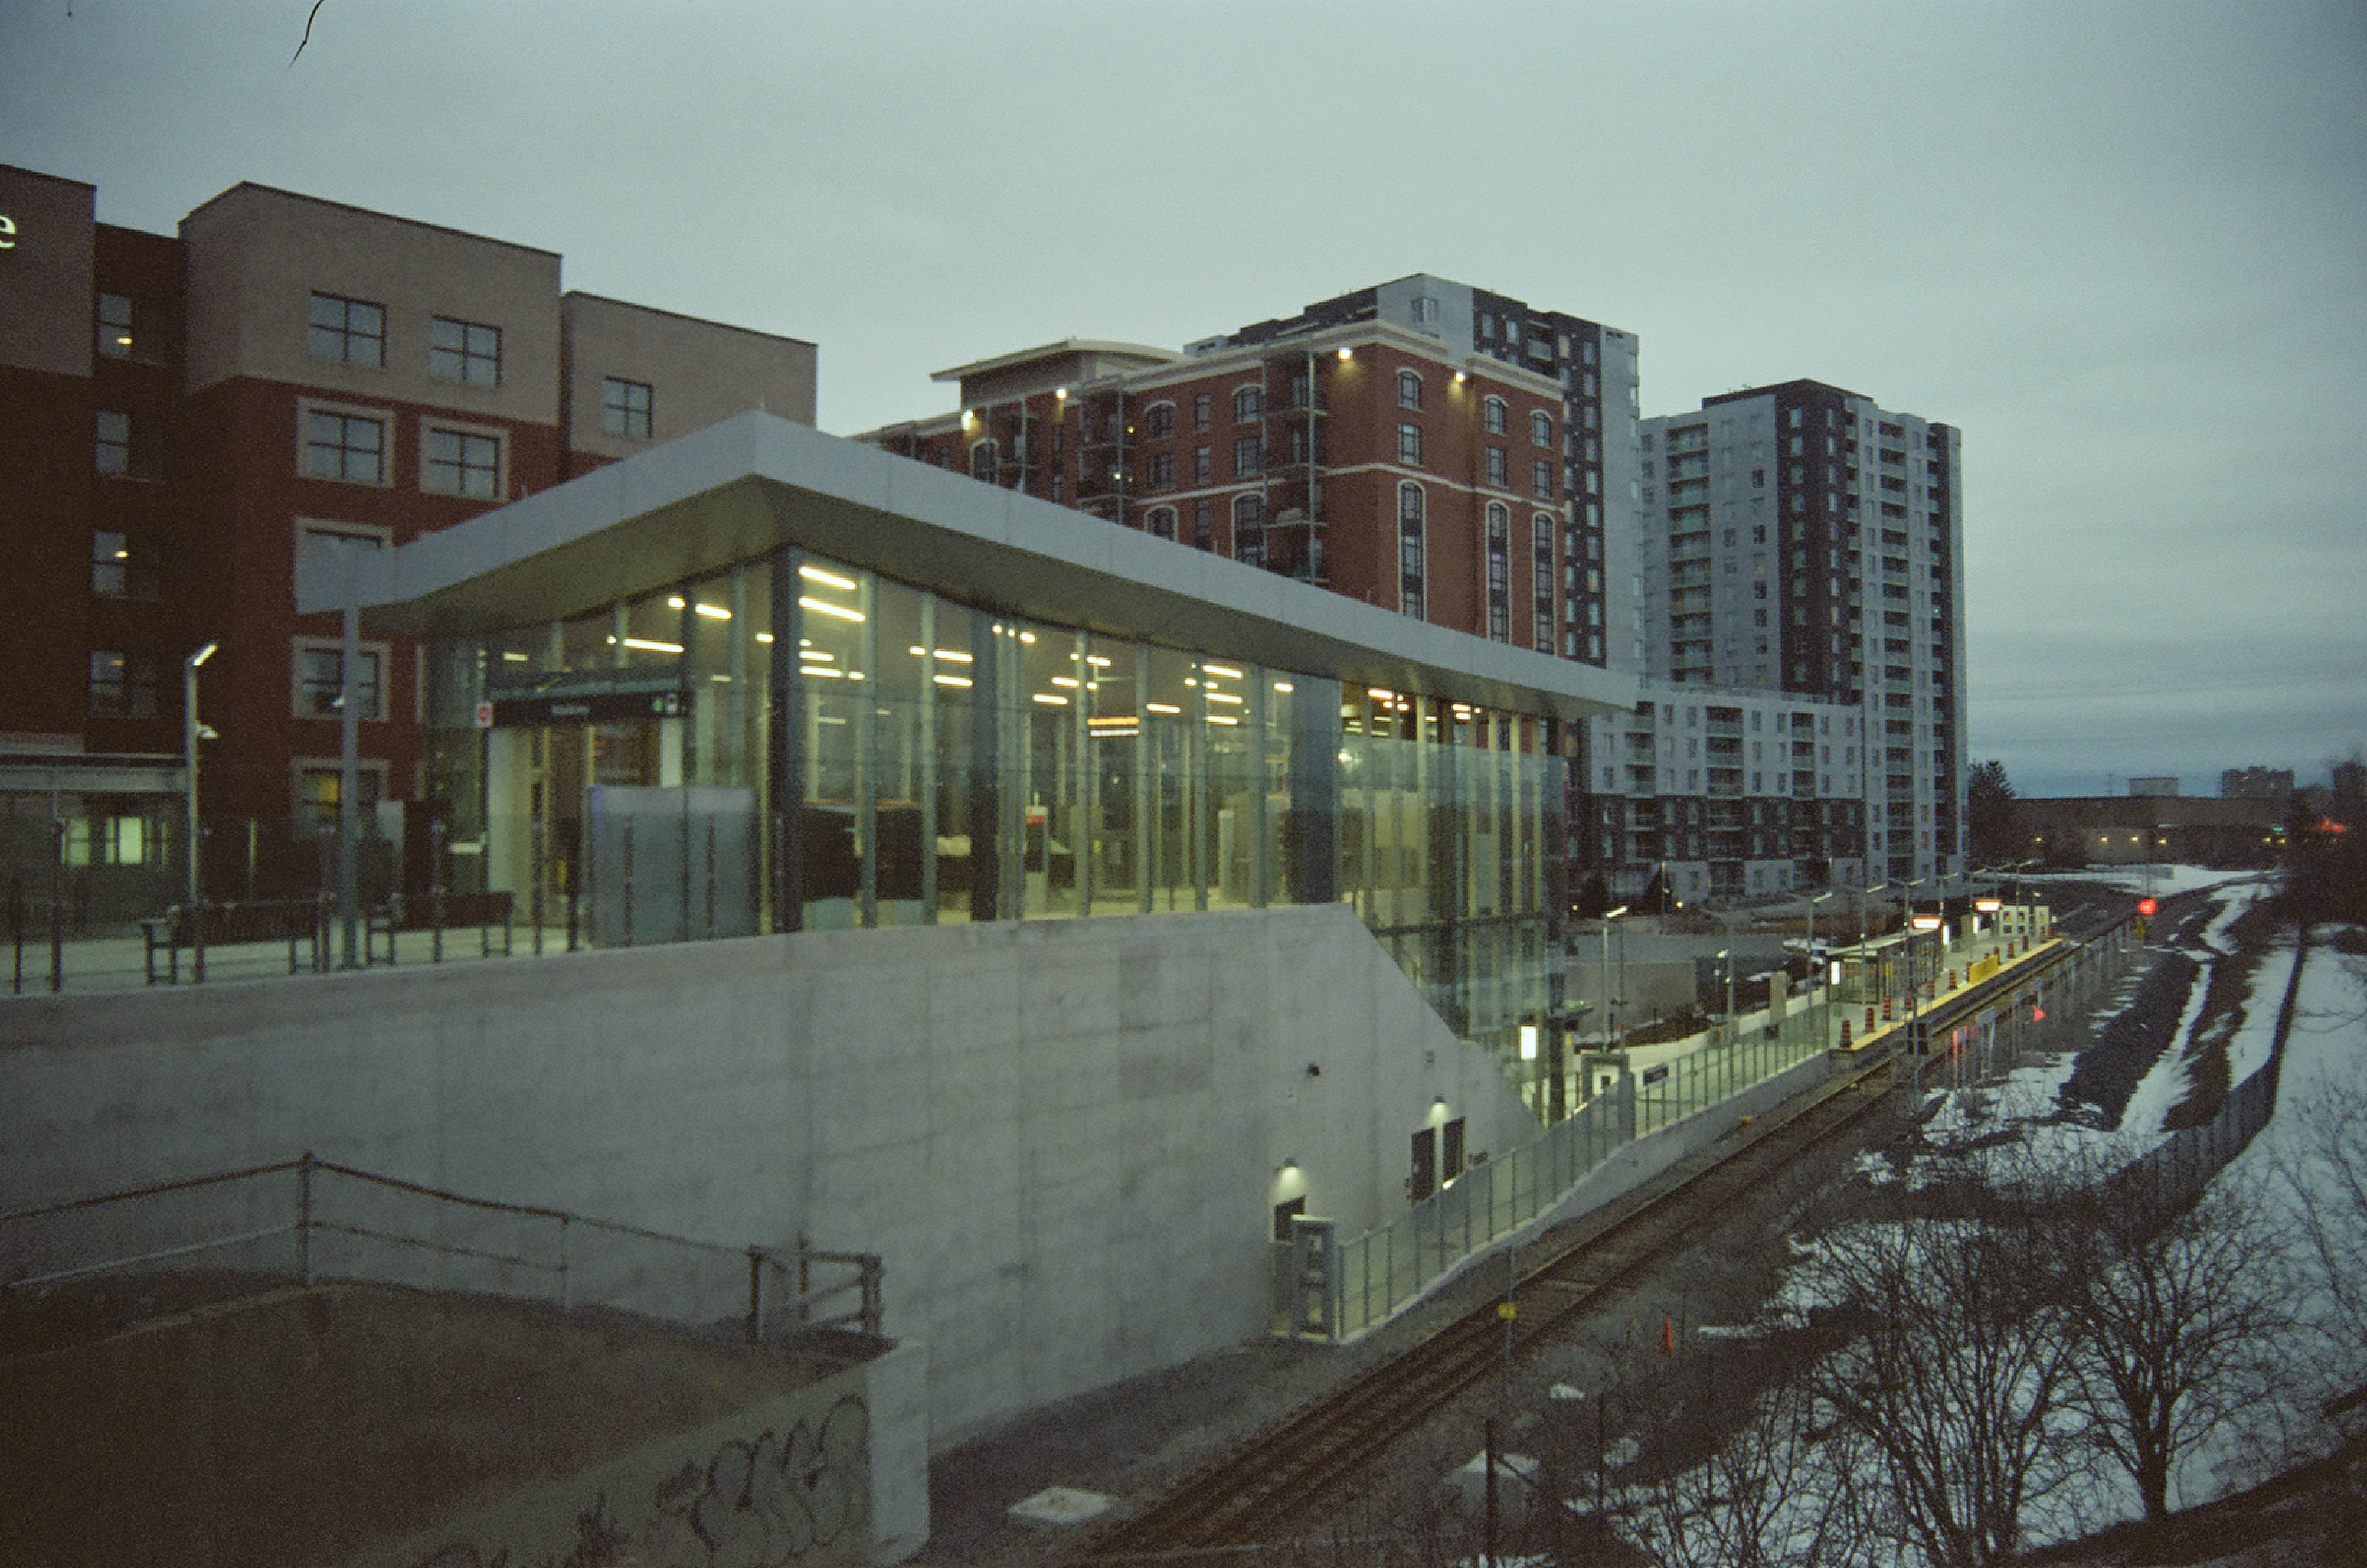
(1799, 606)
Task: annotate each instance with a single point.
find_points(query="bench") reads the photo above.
(438, 914)
(196, 926)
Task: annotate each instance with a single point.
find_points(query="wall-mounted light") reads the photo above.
(1347, 353)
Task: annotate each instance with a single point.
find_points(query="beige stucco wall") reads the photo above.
(45, 273)
(254, 258)
(698, 371)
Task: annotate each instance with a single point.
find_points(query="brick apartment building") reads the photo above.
(188, 414)
(1779, 571)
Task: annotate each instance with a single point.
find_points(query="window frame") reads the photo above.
(307, 535)
(617, 418)
(136, 684)
(1159, 420)
(1409, 389)
(1249, 402)
(298, 686)
(347, 333)
(1495, 414)
(1410, 444)
(136, 573)
(458, 365)
(429, 463)
(307, 408)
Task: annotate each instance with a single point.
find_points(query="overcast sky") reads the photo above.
(2123, 247)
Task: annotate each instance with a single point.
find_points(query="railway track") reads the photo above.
(1280, 1480)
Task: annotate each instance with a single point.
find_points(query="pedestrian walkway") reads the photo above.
(118, 961)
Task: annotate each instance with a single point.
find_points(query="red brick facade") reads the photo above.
(1213, 452)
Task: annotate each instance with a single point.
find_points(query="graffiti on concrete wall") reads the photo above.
(768, 1501)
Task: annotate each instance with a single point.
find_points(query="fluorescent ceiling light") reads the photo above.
(1162, 707)
(1216, 696)
(1220, 669)
(1051, 701)
(516, 659)
(829, 579)
(642, 642)
(827, 608)
(953, 680)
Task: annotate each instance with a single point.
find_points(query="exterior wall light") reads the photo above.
(1346, 353)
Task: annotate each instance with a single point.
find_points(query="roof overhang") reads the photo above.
(744, 486)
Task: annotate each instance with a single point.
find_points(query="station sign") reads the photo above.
(1927, 922)
(1989, 906)
(590, 707)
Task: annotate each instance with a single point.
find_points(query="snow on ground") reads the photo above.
(2163, 882)
(2248, 1047)
(2166, 1081)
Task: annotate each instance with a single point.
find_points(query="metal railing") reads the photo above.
(123, 1256)
(1385, 1269)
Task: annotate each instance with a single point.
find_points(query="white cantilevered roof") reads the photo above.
(739, 488)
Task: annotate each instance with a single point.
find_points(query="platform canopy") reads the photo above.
(742, 488)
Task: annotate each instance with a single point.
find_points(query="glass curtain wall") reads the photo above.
(891, 757)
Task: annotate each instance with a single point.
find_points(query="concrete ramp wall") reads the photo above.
(1066, 1138)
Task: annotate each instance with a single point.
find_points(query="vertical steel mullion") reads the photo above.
(1145, 790)
(866, 753)
(927, 719)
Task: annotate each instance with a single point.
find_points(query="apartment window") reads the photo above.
(320, 665)
(1492, 414)
(125, 447)
(1203, 468)
(627, 408)
(1249, 530)
(462, 462)
(122, 685)
(1408, 390)
(351, 332)
(1409, 444)
(1249, 402)
(983, 461)
(1162, 522)
(121, 570)
(1425, 310)
(1410, 550)
(1248, 457)
(1541, 478)
(467, 352)
(1499, 546)
(1202, 524)
(127, 330)
(1496, 466)
(318, 792)
(1540, 429)
(345, 446)
(1200, 412)
(1163, 470)
(1159, 420)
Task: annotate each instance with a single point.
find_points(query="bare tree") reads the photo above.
(1957, 1380)
(2323, 1168)
(1779, 1491)
(2180, 1313)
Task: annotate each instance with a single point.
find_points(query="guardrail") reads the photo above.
(123, 1256)
(1381, 1271)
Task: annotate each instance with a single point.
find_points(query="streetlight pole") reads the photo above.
(1610, 999)
(190, 727)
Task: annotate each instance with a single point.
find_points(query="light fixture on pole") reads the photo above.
(1610, 998)
(191, 733)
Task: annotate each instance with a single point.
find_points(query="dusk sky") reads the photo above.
(2123, 247)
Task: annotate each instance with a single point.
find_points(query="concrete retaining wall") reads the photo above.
(1066, 1137)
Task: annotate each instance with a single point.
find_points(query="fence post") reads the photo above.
(566, 1281)
(16, 930)
(304, 1217)
(755, 1294)
(874, 1294)
(57, 905)
(435, 890)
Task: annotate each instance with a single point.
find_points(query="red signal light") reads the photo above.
(2146, 907)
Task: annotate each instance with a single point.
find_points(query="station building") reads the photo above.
(765, 679)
